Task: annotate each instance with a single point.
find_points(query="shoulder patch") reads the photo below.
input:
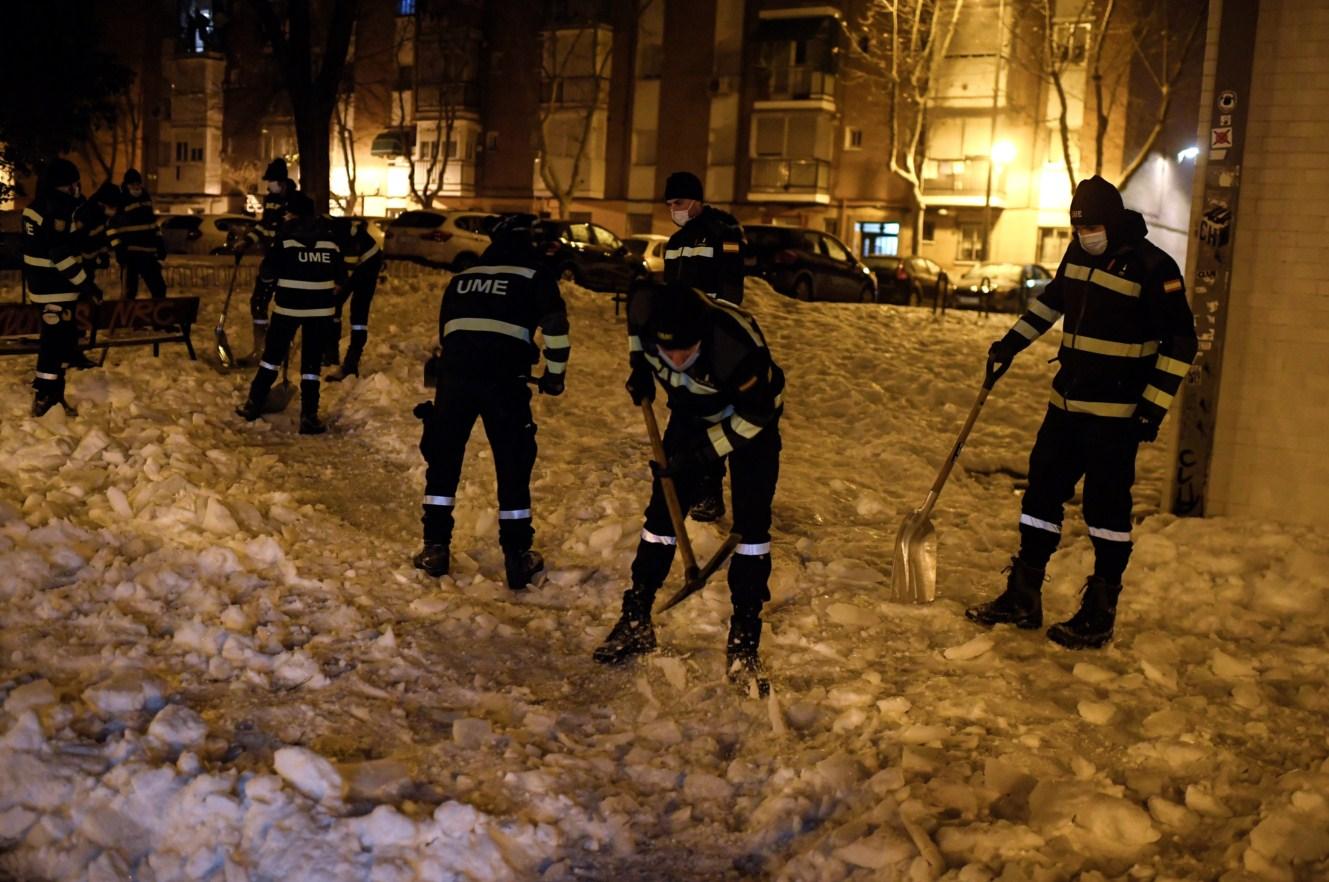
(731, 247)
(1172, 286)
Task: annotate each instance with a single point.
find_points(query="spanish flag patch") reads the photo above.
(730, 247)
(1172, 286)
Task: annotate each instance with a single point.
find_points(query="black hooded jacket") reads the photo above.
(706, 253)
(304, 264)
(1128, 334)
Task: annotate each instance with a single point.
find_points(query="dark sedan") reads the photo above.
(589, 255)
(912, 281)
(1003, 287)
(807, 264)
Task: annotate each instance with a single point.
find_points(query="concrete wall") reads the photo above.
(1273, 415)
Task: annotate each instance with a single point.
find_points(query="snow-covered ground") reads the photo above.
(216, 661)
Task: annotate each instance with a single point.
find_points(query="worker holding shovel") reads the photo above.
(725, 397)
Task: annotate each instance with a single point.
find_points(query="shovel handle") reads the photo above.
(670, 492)
(949, 464)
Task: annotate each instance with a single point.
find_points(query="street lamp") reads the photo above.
(1188, 153)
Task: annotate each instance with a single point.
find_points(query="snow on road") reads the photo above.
(216, 661)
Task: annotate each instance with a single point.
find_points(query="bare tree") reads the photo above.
(444, 69)
(310, 41)
(114, 131)
(341, 119)
(1108, 38)
(575, 63)
(902, 44)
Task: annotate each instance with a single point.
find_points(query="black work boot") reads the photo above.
(707, 510)
(1021, 604)
(522, 568)
(350, 367)
(743, 663)
(42, 402)
(310, 424)
(434, 559)
(1091, 626)
(249, 411)
(633, 634)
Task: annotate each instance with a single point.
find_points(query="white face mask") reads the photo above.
(679, 368)
(679, 216)
(135, 191)
(274, 186)
(1094, 243)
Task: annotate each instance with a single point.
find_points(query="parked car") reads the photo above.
(807, 264)
(650, 247)
(912, 281)
(204, 233)
(590, 255)
(454, 239)
(1003, 287)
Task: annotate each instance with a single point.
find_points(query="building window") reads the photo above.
(406, 7)
(491, 141)
(853, 138)
(181, 151)
(196, 154)
(971, 243)
(879, 239)
(1052, 244)
(1070, 41)
(929, 231)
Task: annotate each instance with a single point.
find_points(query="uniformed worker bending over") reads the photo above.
(487, 324)
(725, 395)
(364, 261)
(303, 267)
(55, 278)
(1128, 339)
(93, 216)
(705, 253)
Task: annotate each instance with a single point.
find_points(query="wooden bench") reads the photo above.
(111, 323)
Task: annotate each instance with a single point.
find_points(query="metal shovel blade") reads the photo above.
(914, 571)
(224, 353)
(279, 396)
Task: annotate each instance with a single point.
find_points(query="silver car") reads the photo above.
(454, 239)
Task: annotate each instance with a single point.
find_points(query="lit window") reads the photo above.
(971, 242)
(406, 7)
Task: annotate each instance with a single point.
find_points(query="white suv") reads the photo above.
(447, 238)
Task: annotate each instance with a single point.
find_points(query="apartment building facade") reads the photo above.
(585, 106)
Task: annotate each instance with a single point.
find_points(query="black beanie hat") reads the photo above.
(683, 185)
(107, 194)
(132, 177)
(276, 170)
(299, 204)
(511, 226)
(59, 173)
(678, 315)
(1095, 202)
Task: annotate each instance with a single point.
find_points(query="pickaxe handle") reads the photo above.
(670, 493)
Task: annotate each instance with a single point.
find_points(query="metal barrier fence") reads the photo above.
(198, 273)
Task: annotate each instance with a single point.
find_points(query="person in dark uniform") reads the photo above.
(137, 239)
(278, 188)
(705, 253)
(303, 267)
(726, 395)
(55, 278)
(487, 323)
(93, 218)
(364, 262)
(1128, 339)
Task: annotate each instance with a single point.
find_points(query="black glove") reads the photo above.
(1000, 355)
(1146, 428)
(683, 462)
(641, 385)
(551, 384)
(422, 410)
(91, 293)
(433, 367)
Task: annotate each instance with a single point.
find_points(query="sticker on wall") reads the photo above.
(1227, 101)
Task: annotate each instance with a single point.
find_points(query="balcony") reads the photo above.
(777, 179)
(575, 91)
(431, 100)
(791, 86)
(963, 182)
